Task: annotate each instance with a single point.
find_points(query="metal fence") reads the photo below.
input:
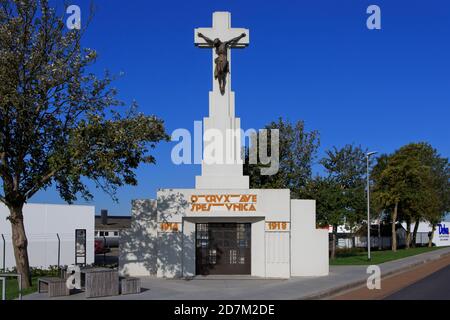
(45, 250)
(384, 242)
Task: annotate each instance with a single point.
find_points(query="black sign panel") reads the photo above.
(80, 246)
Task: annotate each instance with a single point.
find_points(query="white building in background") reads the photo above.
(43, 224)
(440, 236)
(222, 226)
(109, 228)
(348, 238)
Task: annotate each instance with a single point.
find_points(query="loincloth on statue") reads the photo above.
(221, 66)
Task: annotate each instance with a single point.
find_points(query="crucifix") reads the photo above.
(222, 166)
(221, 38)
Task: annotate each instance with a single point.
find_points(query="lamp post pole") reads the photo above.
(368, 204)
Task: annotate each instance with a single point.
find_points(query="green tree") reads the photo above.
(59, 124)
(389, 190)
(406, 186)
(297, 152)
(436, 197)
(377, 205)
(417, 201)
(331, 206)
(346, 173)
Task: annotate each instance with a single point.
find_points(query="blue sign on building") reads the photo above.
(443, 230)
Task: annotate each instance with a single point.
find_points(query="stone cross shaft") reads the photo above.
(227, 173)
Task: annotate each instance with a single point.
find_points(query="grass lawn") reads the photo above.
(360, 258)
(12, 288)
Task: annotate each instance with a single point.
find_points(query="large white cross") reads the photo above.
(228, 173)
(222, 30)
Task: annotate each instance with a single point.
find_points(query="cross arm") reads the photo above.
(235, 41)
(208, 41)
(223, 35)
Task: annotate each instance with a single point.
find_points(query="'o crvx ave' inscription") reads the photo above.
(223, 202)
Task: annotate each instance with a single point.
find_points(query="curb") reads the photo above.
(358, 283)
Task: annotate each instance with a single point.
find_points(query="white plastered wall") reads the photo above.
(42, 224)
(309, 246)
(277, 254)
(138, 245)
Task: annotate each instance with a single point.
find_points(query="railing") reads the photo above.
(4, 253)
(3, 279)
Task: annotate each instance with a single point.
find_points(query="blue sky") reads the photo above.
(309, 60)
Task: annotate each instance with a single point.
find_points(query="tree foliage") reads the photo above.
(340, 194)
(57, 120)
(59, 123)
(347, 168)
(413, 185)
(330, 207)
(297, 151)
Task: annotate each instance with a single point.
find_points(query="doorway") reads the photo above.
(223, 248)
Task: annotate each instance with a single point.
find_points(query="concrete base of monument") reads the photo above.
(249, 232)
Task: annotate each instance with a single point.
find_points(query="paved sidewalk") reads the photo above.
(247, 288)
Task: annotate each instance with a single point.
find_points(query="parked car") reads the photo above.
(100, 247)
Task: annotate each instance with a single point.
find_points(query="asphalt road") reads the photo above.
(434, 287)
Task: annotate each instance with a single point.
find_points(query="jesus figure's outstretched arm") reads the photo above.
(208, 40)
(235, 40)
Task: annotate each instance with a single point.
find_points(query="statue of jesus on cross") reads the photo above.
(215, 38)
(221, 70)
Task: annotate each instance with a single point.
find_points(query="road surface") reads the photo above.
(430, 280)
(434, 287)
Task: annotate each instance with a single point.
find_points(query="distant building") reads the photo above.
(441, 233)
(108, 228)
(381, 235)
(56, 234)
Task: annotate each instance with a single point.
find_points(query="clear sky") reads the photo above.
(310, 60)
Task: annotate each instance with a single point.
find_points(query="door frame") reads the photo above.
(246, 267)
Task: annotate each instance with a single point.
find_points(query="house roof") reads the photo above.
(114, 223)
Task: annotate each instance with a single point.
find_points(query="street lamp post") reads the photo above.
(368, 204)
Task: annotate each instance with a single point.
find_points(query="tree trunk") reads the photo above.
(414, 237)
(333, 246)
(380, 246)
(20, 244)
(408, 233)
(430, 236)
(394, 232)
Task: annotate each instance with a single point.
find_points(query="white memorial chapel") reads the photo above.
(222, 226)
